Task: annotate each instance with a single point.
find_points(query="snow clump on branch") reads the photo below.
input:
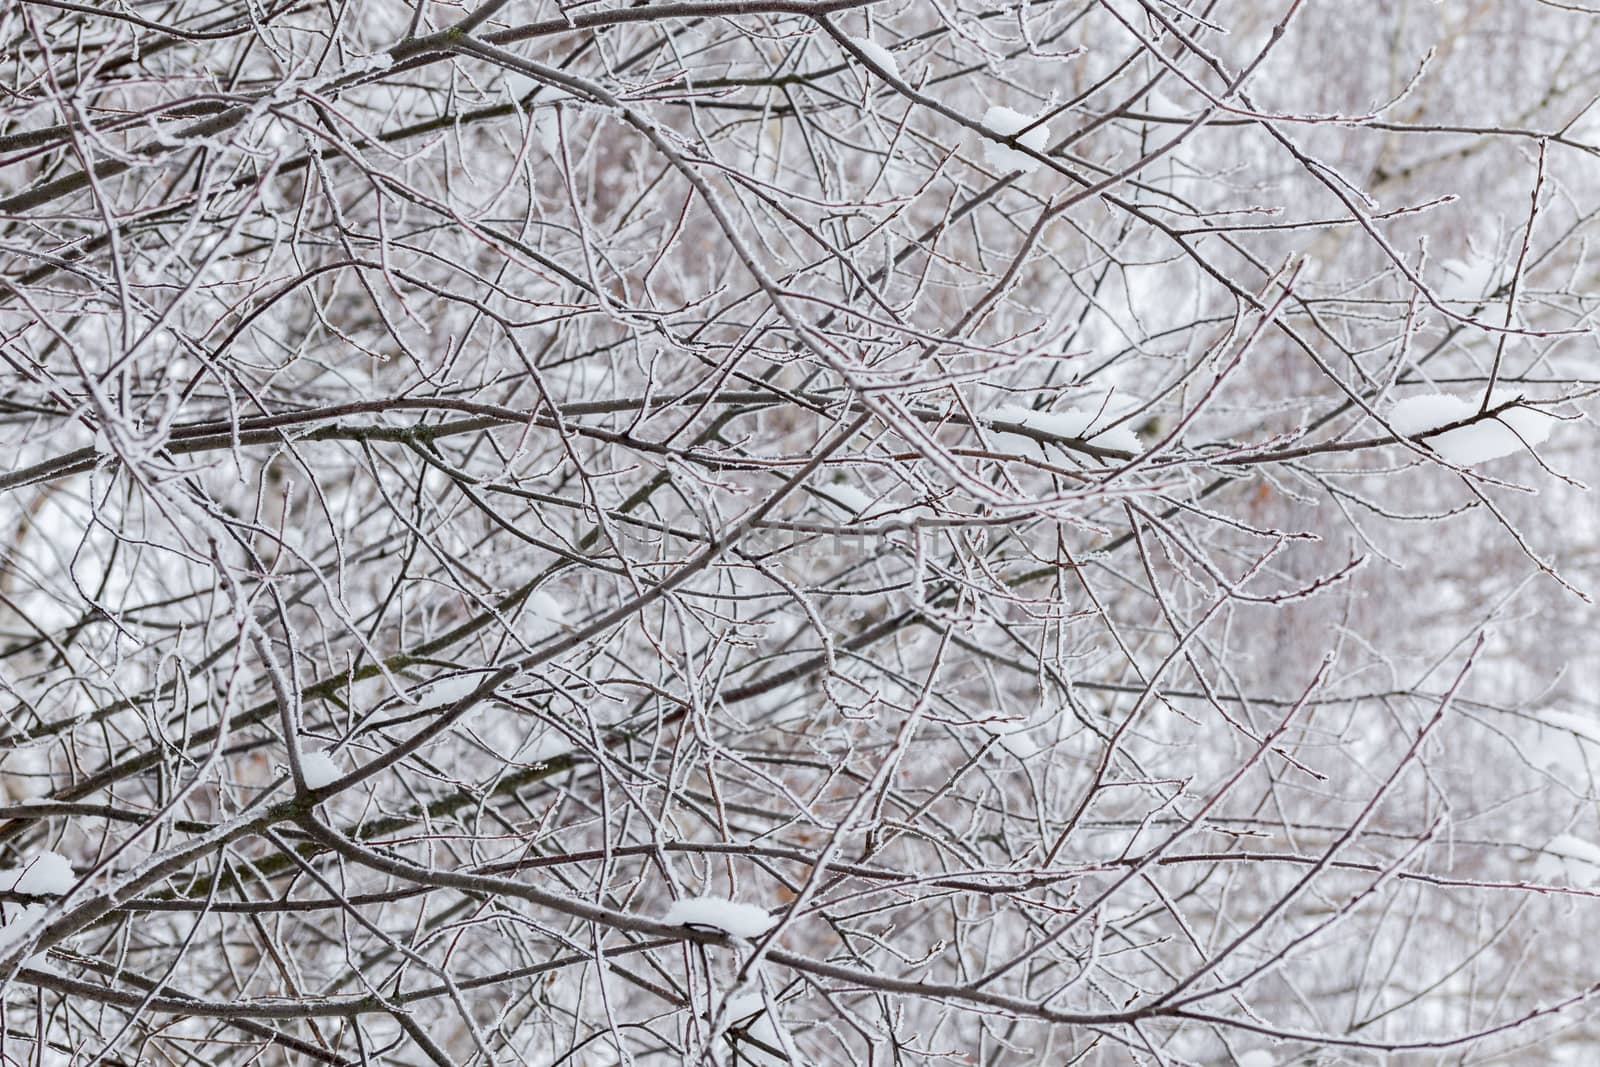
(1009, 123)
(879, 55)
(718, 913)
(47, 874)
(1102, 421)
(1489, 438)
(320, 769)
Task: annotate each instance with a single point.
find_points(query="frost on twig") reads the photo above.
(890, 463)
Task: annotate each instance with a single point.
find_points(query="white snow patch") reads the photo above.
(1099, 421)
(25, 773)
(1506, 433)
(743, 1008)
(551, 744)
(546, 119)
(544, 616)
(1024, 743)
(1159, 103)
(547, 607)
(446, 691)
(21, 923)
(732, 918)
(1257, 1058)
(1029, 737)
(1584, 726)
(1469, 280)
(1565, 745)
(47, 873)
(1563, 735)
(1419, 414)
(376, 61)
(519, 85)
(1532, 425)
(845, 498)
(1570, 859)
(548, 126)
(1016, 444)
(878, 54)
(320, 769)
(1008, 123)
(1045, 729)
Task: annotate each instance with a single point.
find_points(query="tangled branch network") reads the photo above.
(829, 532)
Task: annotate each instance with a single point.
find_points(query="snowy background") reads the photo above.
(745, 533)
